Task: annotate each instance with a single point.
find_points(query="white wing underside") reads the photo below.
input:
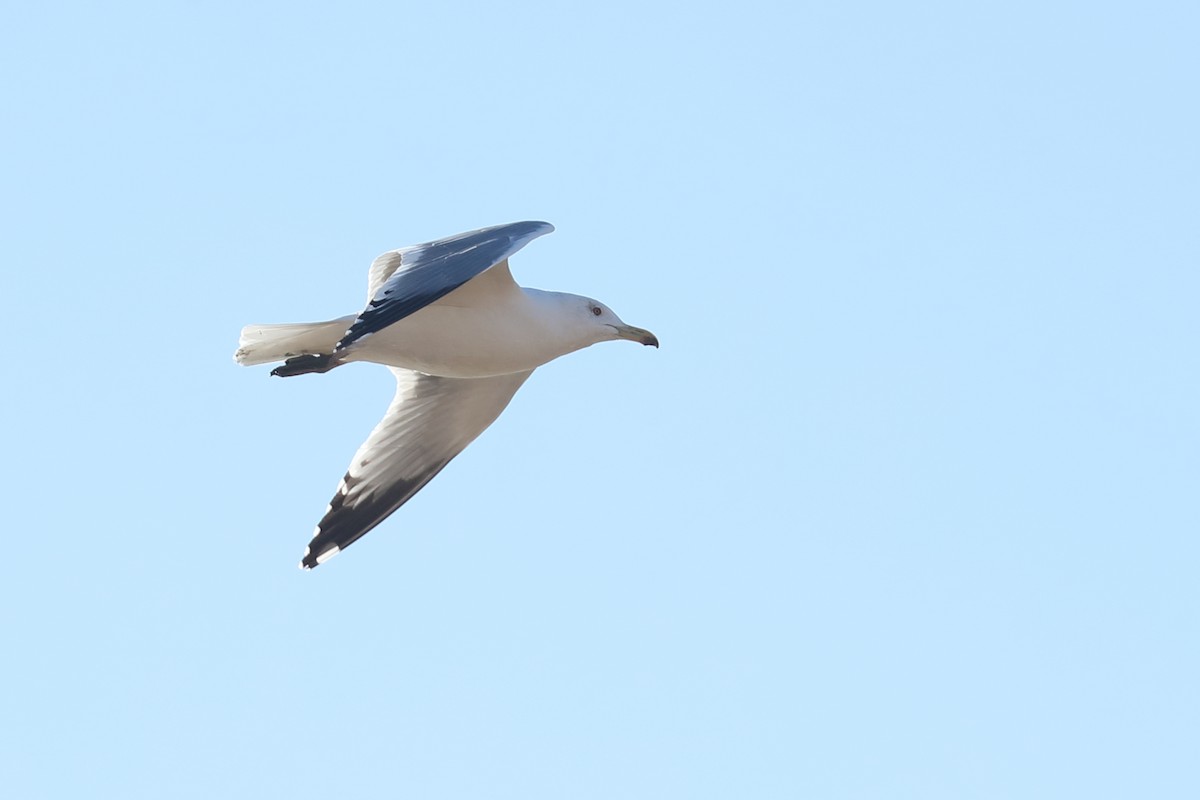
(484, 290)
(430, 421)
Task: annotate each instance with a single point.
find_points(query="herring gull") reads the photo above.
(459, 335)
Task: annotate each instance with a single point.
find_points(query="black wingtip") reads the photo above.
(313, 560)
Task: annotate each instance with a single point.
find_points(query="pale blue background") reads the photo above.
(906, 506)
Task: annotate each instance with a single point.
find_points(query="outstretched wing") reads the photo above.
(429, 422)
(406, 280)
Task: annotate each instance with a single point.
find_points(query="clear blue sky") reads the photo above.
(906, 506)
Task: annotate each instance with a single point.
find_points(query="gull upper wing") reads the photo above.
(430, 421)
(404, 281)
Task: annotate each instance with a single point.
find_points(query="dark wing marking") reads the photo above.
(414, 277)
(430, 421)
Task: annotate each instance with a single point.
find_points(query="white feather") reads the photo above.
(262, 344)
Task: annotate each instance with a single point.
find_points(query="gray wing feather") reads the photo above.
(405, 281)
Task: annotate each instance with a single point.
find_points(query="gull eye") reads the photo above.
(597, 311)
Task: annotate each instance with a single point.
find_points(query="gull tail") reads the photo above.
(308, 344)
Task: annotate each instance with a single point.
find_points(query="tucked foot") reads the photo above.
(302, 365)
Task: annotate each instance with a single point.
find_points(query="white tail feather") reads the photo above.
(262, 344)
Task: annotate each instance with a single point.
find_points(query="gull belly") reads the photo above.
(457, 341)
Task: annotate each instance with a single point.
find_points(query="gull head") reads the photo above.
(563, 323)
(603, 325)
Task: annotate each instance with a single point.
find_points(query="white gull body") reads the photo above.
(460, 336)
(489, 326)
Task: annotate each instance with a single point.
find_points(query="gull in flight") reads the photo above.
(459, 335)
